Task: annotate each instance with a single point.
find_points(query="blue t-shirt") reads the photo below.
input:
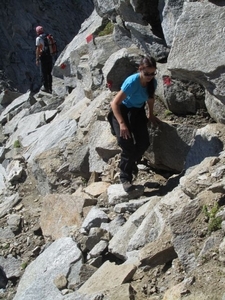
(136, 94)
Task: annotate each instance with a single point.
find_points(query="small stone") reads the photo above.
(60, 282)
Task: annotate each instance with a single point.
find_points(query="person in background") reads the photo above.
(44, 58)
(129, 120)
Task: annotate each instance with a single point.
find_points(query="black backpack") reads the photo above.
(50, 47)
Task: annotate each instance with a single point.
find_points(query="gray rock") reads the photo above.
(78, 161)
(144, 39)
(79, 43)
(183, 97)
(14, 171)
(3, 176)
(105, 46)
(11, 266)
(101, 142)
(104, 8)
(121, 35)
(14, 222)
(183, 236)
(154, 225)
(188, 55)
(114, 225)
(208, 141)
(98, 249)
(37, 281)
(215, 108)
(128, 11)
(222, 251)
(91, 113)
(94, 219)
(169, 145)
(6, 203)
(86, 272)
(209, 245)
(11, 125)
(46, 138)
(15, 107)
(7, 96)
(60, 282)
(131, 206)
(6, 233)
(95, 235)
(127, 231)
(120, 65)
(95, 262)
(171, 12)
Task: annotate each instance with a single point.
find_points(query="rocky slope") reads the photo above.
(68, 230)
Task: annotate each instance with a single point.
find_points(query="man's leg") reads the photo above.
(50, 82)
(49, 76)
(44, 71)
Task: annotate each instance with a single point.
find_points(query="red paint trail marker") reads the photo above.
(89, 38)
(109, 84)
(167, 80)
(62, 66)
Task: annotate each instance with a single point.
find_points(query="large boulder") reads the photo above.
(189, 57)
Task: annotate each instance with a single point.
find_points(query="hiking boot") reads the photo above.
(43, 89)
(133, 191)
(127, 186)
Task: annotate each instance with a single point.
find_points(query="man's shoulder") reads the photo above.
(39, 39)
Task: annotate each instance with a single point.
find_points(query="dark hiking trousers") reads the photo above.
(46, 71)
(134, 147)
